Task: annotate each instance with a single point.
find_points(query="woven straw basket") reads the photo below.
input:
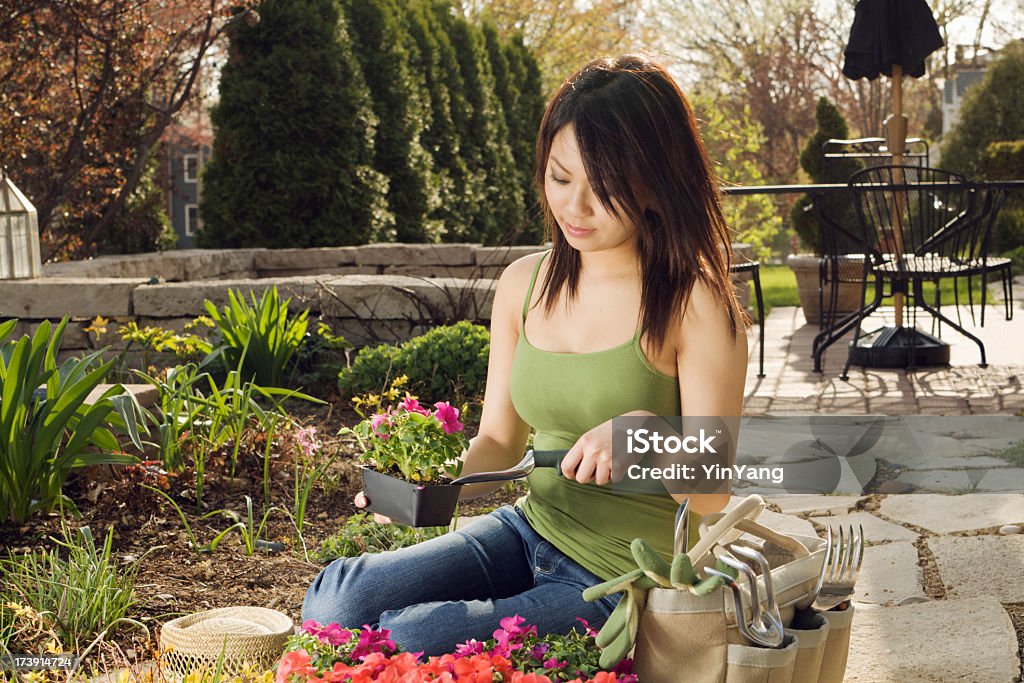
(241, 636)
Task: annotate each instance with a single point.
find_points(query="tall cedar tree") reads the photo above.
(483, 135)
(510, 76)
(293, 155)
(430, 55)
(528, 113)
(377, 39)
(831, 125)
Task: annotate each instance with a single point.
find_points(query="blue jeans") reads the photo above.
(442, 592)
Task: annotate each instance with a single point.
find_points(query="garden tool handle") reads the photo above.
(548, 459)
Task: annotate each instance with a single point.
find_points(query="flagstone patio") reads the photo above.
(940, 596)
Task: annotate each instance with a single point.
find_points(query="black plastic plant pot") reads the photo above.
(409, 503)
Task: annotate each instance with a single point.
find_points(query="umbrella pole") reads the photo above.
(896, 132)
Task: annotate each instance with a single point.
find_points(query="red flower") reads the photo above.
(298, 663)
(520, 677)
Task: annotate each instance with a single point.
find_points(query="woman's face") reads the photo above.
(583, 220)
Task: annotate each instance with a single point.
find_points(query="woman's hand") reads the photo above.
(590, 458)
(361, 501)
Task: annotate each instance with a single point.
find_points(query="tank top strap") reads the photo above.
(533, 281)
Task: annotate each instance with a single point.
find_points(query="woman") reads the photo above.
(631, 313)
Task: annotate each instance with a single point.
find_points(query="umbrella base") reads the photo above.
(898, 347)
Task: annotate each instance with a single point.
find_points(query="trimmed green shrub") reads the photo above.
(379, 43)
(1005, 161)
(293, 155)
(831, 124)
(446, 363)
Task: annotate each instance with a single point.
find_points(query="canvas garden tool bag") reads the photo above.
(687, 631)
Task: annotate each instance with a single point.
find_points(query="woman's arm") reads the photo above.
(712, 368)
(501, 440)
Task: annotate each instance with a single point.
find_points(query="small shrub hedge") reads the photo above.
(448, 363)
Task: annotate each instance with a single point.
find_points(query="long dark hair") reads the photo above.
(640, 145)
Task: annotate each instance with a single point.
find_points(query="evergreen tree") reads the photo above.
(380, 46)
(461, 192)
(831, 125)
(524, 74)
(991, 112)
(483, 135)
(293, 154)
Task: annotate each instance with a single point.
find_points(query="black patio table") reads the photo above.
(837, 328)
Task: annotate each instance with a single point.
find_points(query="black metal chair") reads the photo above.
(754, 269)
(839, 241)
(994, 264)
(918, 224)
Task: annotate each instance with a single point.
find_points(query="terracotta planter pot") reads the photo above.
(806, 268)
(407, 502)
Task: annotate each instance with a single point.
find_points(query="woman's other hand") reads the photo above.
(361, 501)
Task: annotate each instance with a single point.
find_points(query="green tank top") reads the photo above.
(563, 395)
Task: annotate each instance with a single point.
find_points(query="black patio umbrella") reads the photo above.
(892, 37)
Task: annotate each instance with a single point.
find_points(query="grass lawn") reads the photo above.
(778, 285)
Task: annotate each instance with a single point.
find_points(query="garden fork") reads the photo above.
(840, 569)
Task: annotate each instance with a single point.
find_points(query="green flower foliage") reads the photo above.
(448, 362)
(363, 535)
(293, 157)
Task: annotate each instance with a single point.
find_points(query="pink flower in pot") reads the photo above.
(448, 416)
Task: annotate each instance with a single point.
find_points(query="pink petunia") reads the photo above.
(373, 642)
(377, 420)
(411, 405)
(469, 648)
(448, 416)
(590, 631)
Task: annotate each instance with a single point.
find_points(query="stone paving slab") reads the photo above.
(981, 565)
(890, 574)
(1010, 480)
(952, 481)
(814, 504)
(970, 640)
(876, 530)
(945, 514)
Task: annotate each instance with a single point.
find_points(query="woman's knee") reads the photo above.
(341, 594)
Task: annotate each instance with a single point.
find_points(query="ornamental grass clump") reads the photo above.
(79, 588)
(420, 444)
(261, 338)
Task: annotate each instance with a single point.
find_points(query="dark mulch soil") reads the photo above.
(173, 579)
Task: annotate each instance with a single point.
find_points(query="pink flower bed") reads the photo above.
(514, 655)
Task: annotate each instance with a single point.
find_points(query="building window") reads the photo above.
(191, 219)
(191, 162)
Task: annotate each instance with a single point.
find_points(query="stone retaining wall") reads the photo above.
(367, 293)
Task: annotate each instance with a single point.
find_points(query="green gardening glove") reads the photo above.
(618, 634)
